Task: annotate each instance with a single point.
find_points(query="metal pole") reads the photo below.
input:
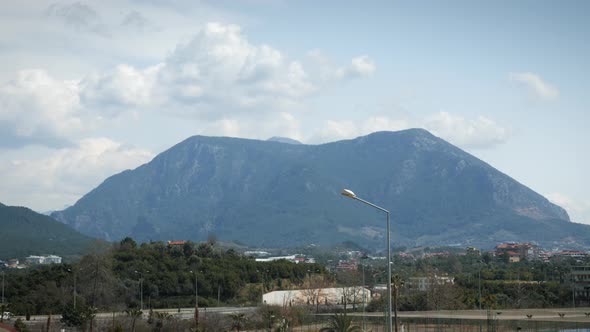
(75, 290)
(350, 194)
(390, 322)
(196, 291)
(479, 286)
(141, 292)
(3, 287)
(364, 295)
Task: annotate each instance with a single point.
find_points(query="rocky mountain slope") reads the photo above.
(276, 194)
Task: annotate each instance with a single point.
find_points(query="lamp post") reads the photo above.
(75, 277)
(141, 289)
(196, 289)
(348, 193)
(364, 257)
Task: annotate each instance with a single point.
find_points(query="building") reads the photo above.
(581, 282)
(575, 254)
(322, 296)
(517, 252)
(38, 260)
(425, 283)
(176, 243)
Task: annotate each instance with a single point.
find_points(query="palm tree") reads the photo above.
(341, 323)
(134, 313)
(396, 283)
(238, 320)
(161, 317)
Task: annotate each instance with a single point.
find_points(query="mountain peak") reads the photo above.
(283, 195)
(283, 140)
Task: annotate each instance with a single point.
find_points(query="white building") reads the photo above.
(49, 259)
(323, 296)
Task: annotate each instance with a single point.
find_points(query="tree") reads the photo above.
(134, 314)
(238, 320)
(161, 317)
(313, 288)
(396, 283)
(341, 323)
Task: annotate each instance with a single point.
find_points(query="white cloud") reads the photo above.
(334, 130)
(217, 76)
(117, 90)
(220, 69)
(67, 173)
(361, 66)
(481, 132)
(36, 108)
(578, 210)
(536, 84)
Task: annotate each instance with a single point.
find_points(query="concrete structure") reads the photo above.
(517, 252)
(323, 296)
(581, 280)
(425, 283)
(37, 260)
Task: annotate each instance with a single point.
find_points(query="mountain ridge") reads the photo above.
(26, 232)
(288, 194)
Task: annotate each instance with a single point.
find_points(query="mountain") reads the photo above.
(283, 140)
(274, 194)
(26, 232)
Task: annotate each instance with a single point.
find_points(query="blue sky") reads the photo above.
(91, 88)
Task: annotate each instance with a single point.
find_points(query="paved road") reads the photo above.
(185, 313)
(569, 315)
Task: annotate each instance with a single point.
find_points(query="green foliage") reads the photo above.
(114, 279)
(77, 316)
(341, 323)
(20, 326)
(25, 232)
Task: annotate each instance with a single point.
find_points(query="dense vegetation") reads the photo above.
(527, 284)
(113, 280)
(163, 276)
(25, 232)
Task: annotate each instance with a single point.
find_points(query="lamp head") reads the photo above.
(348, 193)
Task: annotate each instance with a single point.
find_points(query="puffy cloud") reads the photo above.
(115, 91)
(471, 133)
(36, 108)
(67, 173)
(536, 84)
(218, 76)
(361, 66)
(220, 68)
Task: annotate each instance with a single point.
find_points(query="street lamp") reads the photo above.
(364, 257)
(141, 289)
(3, 288)
(348, 193)
(75, 277)
(196, 289)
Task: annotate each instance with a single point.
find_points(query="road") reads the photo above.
(184, 313)
(580, 315)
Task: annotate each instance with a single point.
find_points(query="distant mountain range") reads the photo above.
(25, 232)
(269, 193)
